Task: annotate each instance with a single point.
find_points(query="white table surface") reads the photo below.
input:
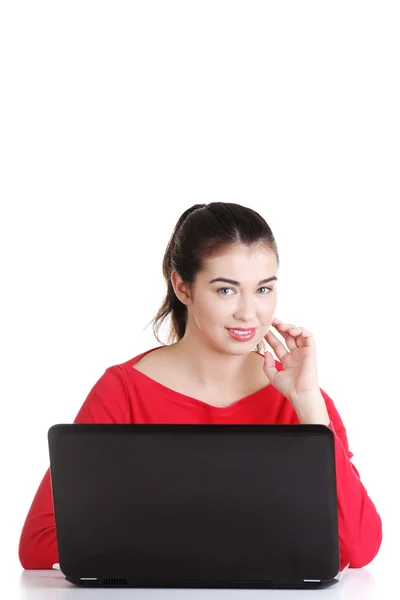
(377, 581)
(374, 582)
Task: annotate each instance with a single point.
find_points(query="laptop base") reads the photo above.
(196, 583)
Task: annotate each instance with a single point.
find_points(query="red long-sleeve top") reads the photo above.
(125, 395)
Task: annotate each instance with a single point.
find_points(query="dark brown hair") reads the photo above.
(205, 231)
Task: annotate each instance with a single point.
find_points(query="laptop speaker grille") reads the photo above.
(115, 581)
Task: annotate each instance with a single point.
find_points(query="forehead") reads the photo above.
(242, 260)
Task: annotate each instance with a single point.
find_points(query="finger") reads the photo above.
(276, 344)
(289, 332)
(305, 339)
(280, 324)
(269, 366)
(295, 336)
(283, 328)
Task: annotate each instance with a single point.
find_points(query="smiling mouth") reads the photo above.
(241, 331)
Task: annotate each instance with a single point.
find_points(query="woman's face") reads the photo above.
(216, 306)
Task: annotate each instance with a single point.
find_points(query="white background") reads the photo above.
(118, 116)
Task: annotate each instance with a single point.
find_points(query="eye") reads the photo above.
(261, 288)
(221, 289)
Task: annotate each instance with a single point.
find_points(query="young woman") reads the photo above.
(220, 267)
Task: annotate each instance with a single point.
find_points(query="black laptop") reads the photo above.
(195, 506)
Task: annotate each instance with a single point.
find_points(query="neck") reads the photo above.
(210, 368)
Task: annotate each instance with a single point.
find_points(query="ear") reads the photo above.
(181, 290)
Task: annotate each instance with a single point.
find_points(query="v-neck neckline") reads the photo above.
(190, 400)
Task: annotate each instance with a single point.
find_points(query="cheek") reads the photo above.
(209, 310)
(215, 314)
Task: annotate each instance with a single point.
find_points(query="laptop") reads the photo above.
(195, 506)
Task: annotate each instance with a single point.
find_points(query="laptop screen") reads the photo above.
(247, 502)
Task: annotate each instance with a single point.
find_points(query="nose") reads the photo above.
(245, 311)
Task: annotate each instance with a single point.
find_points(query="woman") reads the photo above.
(209, 373)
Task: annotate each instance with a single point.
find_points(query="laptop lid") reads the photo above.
(172, 505)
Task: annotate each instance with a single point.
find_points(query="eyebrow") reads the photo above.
(231, 281)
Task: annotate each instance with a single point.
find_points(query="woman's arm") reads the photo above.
(360, 526)
(107, 402)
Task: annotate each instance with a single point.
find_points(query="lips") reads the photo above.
(249, 329)
(242, 337)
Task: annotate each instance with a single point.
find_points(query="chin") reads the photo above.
(241, 349)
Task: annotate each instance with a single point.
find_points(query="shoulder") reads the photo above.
(108, 400)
